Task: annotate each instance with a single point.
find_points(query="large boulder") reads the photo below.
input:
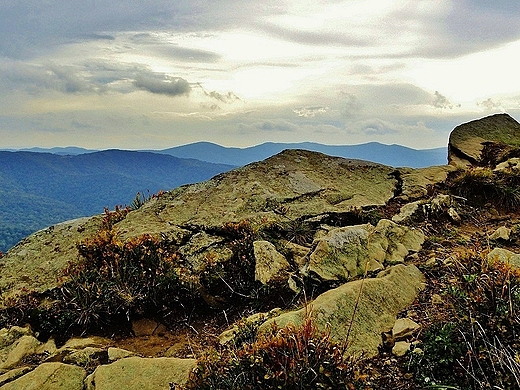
(483, 141)
(347, 252)
(135, 373)
(358, 312)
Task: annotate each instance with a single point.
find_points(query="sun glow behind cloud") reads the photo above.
(392, 71)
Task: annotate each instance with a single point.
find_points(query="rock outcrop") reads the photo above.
(347, 252)
(483, 141)
(358, 312)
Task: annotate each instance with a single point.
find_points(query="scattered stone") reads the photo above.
(436, 299)
(11, 375)
(407, 212)
(86, 356)
(13, 355)
(250, 323)
(401, 348)
(502, 233)
(50, 376)
(403, 328)
(512, 164)
(118, 353)
(270, 265)
(93, 341)
(504, 256)
(455, 217)
(136, 373)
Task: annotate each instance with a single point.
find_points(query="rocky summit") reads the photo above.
(299, 271)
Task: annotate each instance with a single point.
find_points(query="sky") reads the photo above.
(142, 74)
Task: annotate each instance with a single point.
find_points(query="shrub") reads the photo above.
(287, 358)
(482, 185)
(478, 347)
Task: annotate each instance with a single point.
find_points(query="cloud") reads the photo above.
(310, 112)
(162, 84)
(441, 101)
(275, 125)
(490, 104)
(228, 97)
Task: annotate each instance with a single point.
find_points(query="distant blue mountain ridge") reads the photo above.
(392, 155)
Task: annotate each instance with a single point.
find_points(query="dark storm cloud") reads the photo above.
(162, 84)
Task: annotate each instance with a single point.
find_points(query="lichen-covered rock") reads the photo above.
(270, 265)
(361, 310)
(347, 252)
(404, 327)
(478, 142)
(36, 263)
(13, 354)
(500, 255)
(136, 373)
(50, 376)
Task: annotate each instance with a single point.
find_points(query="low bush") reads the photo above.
(482, 185)
(478, 346)
(287, 358)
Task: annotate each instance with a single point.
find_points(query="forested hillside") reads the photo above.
(41, 189)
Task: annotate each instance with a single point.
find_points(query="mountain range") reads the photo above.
(392, 155)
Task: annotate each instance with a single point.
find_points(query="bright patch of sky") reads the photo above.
(154, 74)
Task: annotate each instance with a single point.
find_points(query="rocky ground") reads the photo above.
(383, 261)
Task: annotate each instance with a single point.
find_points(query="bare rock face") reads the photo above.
(486, 141)
(347, 252)
(378, 302)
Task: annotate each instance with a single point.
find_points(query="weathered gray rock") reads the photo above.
(403, 328)
(378, 302)
(270, 265)
(36, 262)
(502, 233)
(118, 353)
(50, 376)
(401, 348)
(250, 323)
(416, 182)
(504, 256)
(13, 374)
(85, 356)
(12, 355)
(468, 141)
(135, 373)
(344, 253)
(512, 164)
(287, 186)
(407, 211)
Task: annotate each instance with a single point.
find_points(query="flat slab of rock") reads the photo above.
(380, 300)
(135, 373)
(270, 265)
(50, 376)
